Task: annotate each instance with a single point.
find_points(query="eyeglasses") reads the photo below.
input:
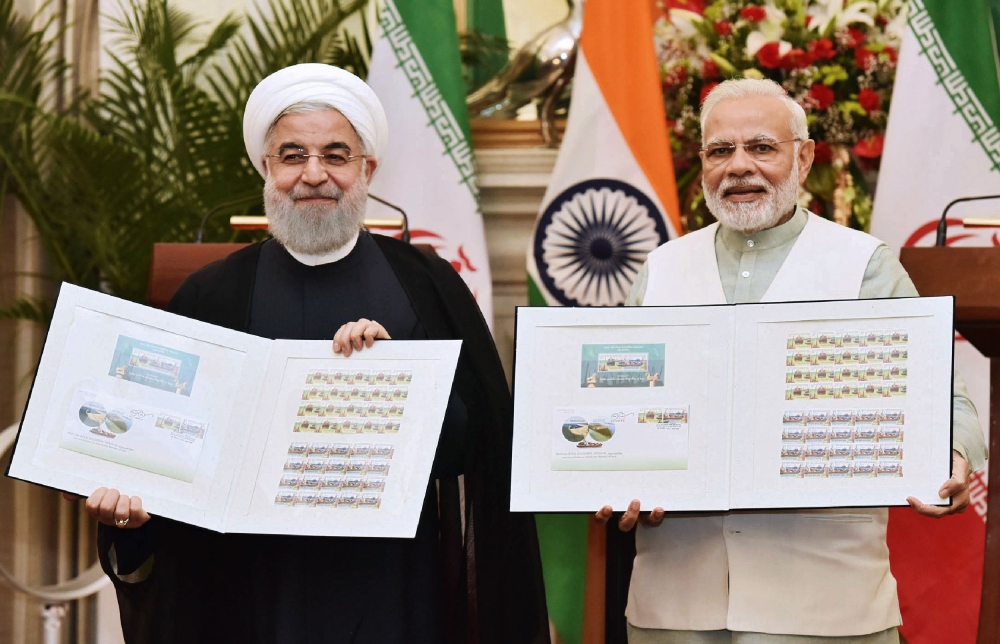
(297, 156)
(761, 150)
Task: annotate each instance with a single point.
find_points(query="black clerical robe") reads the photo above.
(210, 587)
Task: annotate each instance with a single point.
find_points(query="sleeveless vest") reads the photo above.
(809, 572)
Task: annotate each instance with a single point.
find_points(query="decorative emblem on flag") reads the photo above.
(592, 239)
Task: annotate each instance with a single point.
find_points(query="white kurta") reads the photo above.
(814, 572)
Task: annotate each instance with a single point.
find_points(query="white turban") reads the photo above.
(314, 82)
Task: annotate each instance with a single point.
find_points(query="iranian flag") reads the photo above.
(611, 200)
(942, 143)
(428, 169)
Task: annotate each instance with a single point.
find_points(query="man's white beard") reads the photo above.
(753, 216)
(315, 229)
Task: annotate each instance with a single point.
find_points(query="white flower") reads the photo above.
(770, 29)
(896, 29)
(685, 22)
(774, 21)
(757, 39)
(892, 6)
(823, 12)
(670, 46)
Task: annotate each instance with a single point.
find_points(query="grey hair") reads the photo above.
(747, 87)
(306, 107)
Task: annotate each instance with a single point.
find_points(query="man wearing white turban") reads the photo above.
(316, 134)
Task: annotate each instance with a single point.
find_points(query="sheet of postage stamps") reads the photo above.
(842, 443)
(348, 472)
(846, 364)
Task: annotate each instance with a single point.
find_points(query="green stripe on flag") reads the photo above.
(960, 46)
(486, 17)
(431, 24)
(966, 33)
(435, 74)
(535, 297)
(562, 540)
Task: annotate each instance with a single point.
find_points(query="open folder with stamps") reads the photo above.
(710, 408)
(230, 431)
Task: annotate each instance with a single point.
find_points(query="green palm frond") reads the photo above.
(26, 61)
(217, 40)
(25, 54)
(283, 34)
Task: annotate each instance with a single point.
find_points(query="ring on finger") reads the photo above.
(121, 523)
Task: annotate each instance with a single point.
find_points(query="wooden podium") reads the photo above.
(972, 275)
(172, 263)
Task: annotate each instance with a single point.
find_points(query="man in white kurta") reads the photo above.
(785, 576)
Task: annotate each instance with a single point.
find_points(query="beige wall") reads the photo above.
(525, 18)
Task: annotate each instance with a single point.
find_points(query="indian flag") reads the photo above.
(942, 143)
(428, 169)
(611, 200)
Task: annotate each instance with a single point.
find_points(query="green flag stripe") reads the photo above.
(966, 34)
(432, 66)
(486, 16)
(562, 540)
(961, 52)
(535, 297)
(431, 24)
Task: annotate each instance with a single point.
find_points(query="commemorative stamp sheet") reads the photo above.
(846, 364)
(622, 365)
(344, 473)
(846, 442)
(332, 475)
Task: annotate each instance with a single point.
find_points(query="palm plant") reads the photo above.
(161, 145)
(25, 60)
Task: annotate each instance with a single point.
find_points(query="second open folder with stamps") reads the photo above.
(709, 408)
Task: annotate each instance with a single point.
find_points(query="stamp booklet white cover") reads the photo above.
(229, 431)
(712, 408)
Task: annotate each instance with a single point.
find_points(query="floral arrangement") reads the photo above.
(836, 58)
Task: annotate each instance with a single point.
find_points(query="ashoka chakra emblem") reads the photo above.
(592, 239)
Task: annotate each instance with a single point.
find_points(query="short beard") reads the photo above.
(315, 229)
(754, 216)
